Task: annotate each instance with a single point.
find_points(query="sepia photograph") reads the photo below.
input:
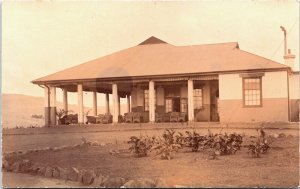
(150, 94)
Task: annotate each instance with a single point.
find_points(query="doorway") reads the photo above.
(173, 104)
(176, 104)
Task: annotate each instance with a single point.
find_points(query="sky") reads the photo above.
(43, 37)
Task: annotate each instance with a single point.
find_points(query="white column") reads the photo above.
(47, 104)
(94, 103)
(65, 100)
(107, 103)
(128, 103)
(190, 100)
(80, 104)
(53, 105)
(46, 99)
(52, 96)
(151, 102)
(115, 103)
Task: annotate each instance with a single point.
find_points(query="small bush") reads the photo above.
(194, 140)
(141, 146)
(260, 145)
(224, 144)
(167, 145)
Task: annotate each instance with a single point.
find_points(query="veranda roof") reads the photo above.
(154, 57)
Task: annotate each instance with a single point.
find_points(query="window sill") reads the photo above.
(253, 106)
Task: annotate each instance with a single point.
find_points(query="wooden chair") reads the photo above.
(174, 116)
(137, 117)
(128, 117)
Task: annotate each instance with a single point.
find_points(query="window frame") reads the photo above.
(166, 104)
(146, 99)
(260, 89)
(146, 108)
(186, 104)
(202, 105)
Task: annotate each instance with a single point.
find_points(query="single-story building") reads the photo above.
(210, 83)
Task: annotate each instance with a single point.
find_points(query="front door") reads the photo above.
(173, 104)
(176, 104)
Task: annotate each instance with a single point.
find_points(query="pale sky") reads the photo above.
(43, 37)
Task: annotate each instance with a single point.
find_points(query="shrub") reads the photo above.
(141, 146)
(194, 140)
(60, 113)
(228, 144)
(260, 145)
(224, 144)
(167, 145)
(170, 142)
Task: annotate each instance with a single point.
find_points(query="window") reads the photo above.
(198, 103)
(146, 99)
(184, 105)
(169, 106)
(252, 91)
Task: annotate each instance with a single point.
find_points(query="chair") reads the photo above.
(128, 117)
(158, 117)
(91, 119)
(137, 117)
(174, 116)
(166, 117)
(107, 118)
(182, 117)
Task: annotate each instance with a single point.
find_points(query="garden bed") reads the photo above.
(278, 168)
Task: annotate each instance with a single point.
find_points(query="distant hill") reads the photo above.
(17, 110)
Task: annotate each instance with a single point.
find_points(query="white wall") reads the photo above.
(230, 87)
(274, 99)
(274, 85)
(294, 86)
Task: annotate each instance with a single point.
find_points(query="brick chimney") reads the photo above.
(289, 59)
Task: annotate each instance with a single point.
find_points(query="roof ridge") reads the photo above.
(152, 40)
(212, 44)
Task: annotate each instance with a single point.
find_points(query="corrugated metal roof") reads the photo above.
(155, 57)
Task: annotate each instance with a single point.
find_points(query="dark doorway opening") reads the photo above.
(176, 104)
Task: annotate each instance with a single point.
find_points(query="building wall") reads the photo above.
(294, 96)
(160, 100)
(274, 99)
(133, 98)
(183, 92)
(160, 96)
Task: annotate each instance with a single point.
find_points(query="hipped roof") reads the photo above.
(154, 57)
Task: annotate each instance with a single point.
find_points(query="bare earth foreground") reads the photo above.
(278, 168)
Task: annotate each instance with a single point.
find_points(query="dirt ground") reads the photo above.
(15, 180)
(278, 168)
